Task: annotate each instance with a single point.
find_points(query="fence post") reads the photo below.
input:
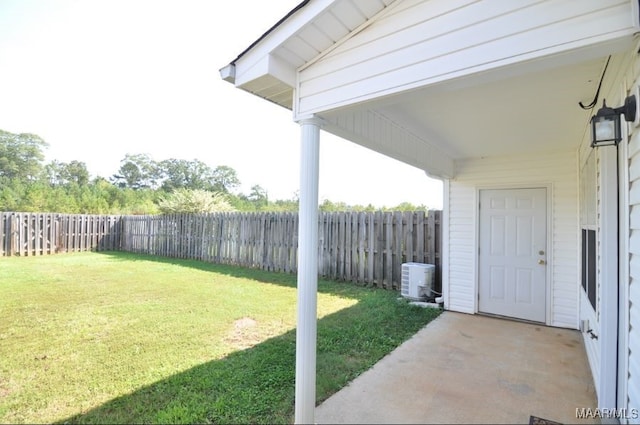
(13, 234)
(420, 232)
(3, 234)
(409, 231)
(16, 234)
(431, 240)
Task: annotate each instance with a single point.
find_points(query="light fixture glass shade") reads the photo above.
(605, 131)
(605, 127)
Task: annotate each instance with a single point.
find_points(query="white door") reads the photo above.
(512, 254)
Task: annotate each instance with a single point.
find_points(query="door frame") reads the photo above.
(550, 255)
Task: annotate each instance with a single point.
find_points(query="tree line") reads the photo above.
(141, 185)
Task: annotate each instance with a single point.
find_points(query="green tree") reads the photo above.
(196, 175)
(52, 173)
(21, 155)
(241, 202)
(137, 171)
(225, 179)
(284, 205)
(184, 174)
(408, 206)
(77, 172)
(329, 206)
(11, 194)
(126, 200)
(259, 197)
(61, 173)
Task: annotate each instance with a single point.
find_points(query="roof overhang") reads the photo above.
(430, 83)
(268, 68)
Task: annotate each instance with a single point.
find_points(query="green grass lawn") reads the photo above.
(123, 338)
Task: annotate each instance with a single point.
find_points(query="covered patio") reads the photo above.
(463, 368)
(495, 99)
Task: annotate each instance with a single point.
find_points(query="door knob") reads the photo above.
(542, 262)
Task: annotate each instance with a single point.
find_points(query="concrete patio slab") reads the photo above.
(471, 369)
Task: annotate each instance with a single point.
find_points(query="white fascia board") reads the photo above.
(259, 60)
(228, 73)
(245, 74)
(267, 65)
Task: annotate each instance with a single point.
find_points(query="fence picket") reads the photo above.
(378, 223)
(355, 247)
(37, 236)
(3, 235)
(408, 236)
(361, 237)
(431, 239)
(397, 248)
(25, 237)
(346, 273)
(388, 252)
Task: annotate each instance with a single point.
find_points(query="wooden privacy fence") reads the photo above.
(44, 234)
(366, 248)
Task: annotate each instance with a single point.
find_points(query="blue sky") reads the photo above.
(98, 79)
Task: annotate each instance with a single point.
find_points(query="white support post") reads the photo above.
(306, 331)
(444, 255)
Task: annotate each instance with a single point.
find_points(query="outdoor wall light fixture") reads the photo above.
(605, 125)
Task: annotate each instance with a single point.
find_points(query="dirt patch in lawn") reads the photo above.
(245, 334)
(5, 388)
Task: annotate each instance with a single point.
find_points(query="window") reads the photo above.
(589, 265)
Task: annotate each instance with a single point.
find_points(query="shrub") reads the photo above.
(193, 201)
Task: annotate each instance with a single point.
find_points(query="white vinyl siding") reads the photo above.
(414, 43)
(462, 246)
(558, 171)
(634, 267)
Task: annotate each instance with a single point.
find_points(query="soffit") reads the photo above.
(528, 113)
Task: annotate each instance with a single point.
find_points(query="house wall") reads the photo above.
(617, 320)
(558, 172)
(629, 169)
(631, 314)
(589, 201)
(414, 43)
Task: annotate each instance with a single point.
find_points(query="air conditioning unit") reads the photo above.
(417, 280)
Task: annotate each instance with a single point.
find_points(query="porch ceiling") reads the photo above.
(491, 114)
